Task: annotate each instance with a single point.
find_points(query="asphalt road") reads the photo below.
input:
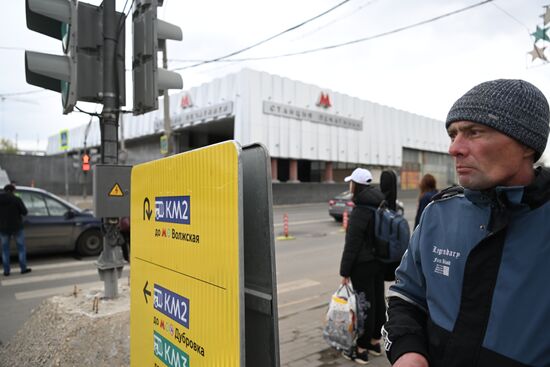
(307, 270)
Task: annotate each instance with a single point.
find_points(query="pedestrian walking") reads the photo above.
(428, 190)
(12, 210)
(359, 264)
(472, 288)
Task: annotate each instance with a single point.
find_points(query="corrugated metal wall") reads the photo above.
(385, 130)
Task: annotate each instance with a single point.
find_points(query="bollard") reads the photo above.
(285, 225)
(345, 221)
(285, 235)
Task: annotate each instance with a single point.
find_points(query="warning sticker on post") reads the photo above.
(116, 191)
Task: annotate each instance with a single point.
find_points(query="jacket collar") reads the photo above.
(533, 195)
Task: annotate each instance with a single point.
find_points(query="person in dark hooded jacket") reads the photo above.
(12, 210)
(359, 264)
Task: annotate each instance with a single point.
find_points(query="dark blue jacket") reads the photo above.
(473, 287)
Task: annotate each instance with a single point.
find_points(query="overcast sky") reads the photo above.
(421, 70)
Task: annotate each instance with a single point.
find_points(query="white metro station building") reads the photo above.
(313, 134)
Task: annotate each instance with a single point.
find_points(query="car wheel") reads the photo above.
(90, 243)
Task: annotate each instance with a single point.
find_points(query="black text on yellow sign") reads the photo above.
(116, 191)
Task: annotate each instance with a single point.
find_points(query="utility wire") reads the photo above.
(92, 114)
(4, 95)
(339, 19)
(513, 18)
(397, 30)
(267, 39)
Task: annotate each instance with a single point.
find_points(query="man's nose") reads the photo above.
(458, 146)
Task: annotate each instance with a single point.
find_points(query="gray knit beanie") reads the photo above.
(514, 107)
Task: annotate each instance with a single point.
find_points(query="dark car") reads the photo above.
(53, 224)
(342, 203)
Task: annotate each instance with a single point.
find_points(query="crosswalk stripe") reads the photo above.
(63, 265)
(48, 277)
(66, 289)
(296, 285)
(303, 300)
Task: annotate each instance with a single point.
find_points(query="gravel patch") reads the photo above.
(67, 331)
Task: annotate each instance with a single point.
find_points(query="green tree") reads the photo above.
(6, 146)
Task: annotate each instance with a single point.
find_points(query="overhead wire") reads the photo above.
(364, 39)
(512, 17)
(267, 39)
(336, 20)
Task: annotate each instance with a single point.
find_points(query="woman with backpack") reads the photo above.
(359, 265)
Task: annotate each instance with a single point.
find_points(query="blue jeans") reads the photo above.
(20, 241)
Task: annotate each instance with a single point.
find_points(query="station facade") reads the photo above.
(313, 134)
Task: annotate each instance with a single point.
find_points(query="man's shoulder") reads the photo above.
(451, 192)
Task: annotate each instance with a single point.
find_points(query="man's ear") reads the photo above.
(528, 152)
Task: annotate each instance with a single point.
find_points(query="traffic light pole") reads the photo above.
(110, 262)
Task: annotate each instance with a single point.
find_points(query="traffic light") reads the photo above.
(85, 162)
(78, 74)
(148, 78)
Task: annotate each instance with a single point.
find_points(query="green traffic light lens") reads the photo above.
(65, 36)
(65, 93)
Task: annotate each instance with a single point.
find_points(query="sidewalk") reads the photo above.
(302, 345)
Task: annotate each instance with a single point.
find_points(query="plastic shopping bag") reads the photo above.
(340, 329)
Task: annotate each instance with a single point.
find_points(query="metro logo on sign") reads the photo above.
(186, 101)
(324, 101)
(173, 209)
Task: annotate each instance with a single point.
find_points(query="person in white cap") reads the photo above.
(359, 264)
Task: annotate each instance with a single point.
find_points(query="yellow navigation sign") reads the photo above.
(187, 270)
(116, 191)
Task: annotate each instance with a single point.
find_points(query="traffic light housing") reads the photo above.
(78, 74)
(149, 79)
(85, 162)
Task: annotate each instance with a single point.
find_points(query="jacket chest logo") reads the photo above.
(443, 259)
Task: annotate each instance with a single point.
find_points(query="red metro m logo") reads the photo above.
(186, 101)
(324, 101)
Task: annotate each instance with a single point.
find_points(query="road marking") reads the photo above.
(303, 300)
(48, 277)
(63, 265)
(57, 291)
(291, 223)
(296, 285)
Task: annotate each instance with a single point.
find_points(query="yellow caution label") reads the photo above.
(116, 191)
(187, 294)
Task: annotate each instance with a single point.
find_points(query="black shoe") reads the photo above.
(27, 270)
(374, 349)
(354, 355)
(7, 274)
(362, 357)
(349, 354)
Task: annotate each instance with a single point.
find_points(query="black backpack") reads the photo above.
(391, 234)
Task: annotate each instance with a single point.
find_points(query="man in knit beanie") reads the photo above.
(471, 289)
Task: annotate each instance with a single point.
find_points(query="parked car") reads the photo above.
(342, 203)
(53, 224)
